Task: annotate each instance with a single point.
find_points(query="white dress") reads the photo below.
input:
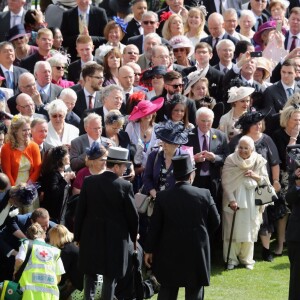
(70, 133)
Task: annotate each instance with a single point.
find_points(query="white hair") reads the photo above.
(248, 140)
(204, 110)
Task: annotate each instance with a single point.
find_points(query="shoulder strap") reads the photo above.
(28, 253)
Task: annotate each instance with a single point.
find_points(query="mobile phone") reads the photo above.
(278, 26)
(256, 54)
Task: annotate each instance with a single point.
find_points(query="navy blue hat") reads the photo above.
(16, 31)
(172, 133)
(95, 151)
(157, 70)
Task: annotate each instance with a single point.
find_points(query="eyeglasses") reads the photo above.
(57, 116)
(132, 53)
(97, 77)
(179, 50)
(59, 68)
(176, 86)
(149, 22)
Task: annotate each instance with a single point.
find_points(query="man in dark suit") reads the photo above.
(44, 40)
(14, 16)
(210, 151)
(217, 32)
(203, 53)
(89, 97)
(93, 129)
(276, 95)
(84, 19)
(104, 225)
(184, 217)
(84, 48)
(69, 97)
(174, 85)
(292, 37)
(7, 69)
(149, 24)
(217, 6)
(39, 131)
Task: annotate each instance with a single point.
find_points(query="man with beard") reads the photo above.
(88, 97)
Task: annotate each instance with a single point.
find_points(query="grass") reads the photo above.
(268, 281)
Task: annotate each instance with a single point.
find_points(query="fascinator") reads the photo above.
(165, 16)
(24, 194)
(172, 133)
(121, 23)
(103, 50)
(95, 151)
(248, 119)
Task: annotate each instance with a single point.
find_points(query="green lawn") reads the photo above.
(268, 281)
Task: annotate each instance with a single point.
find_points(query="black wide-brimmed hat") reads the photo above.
(182, 165)
(16, 32)
(95, 151)
(172, 133)
(157, 70)
(248, 119)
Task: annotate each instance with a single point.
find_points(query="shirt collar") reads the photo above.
(20, 14)
(91, 140)
(288, 87)
(87, 12)
(86, 93)
(200, 133)
(11, 68)
(46, 88)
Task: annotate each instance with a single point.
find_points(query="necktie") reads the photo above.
(82, 22)
(42, 92)
(91, 106)
(14, 20)
(221, 7)
(205, 164)
(259, 22)
(9, 83)
(289, 91)
(216, 42)
(293, 44)
(225, 70)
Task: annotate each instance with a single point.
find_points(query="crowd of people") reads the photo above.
(117, 98)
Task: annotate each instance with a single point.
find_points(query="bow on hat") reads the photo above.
(121, 23)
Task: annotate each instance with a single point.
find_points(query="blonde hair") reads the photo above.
(287, 113)
(192, 12)
(59, 236)
(166, 32)
(16, 123)
(35, 231)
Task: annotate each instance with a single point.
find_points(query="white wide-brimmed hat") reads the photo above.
(181, 41)
(192, 78)
(238, 93)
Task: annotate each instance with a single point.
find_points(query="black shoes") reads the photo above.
(267, 255)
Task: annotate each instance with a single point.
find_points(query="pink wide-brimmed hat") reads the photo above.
(265, 26)
(145, 108)
(1, 78)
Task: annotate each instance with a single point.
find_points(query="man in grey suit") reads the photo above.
(14, 16)
(7, 69)
(43, 76)
(93, 128)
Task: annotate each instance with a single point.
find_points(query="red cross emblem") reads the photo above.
(43, 253)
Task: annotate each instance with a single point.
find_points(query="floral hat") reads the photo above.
(181, 41)
(238, 93)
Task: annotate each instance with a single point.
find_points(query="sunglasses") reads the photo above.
(97, 77)
(59, 68)
(179, 50)
(57, 116)
(157, 77)
(149, 22)
(176, 86)
(19, 38)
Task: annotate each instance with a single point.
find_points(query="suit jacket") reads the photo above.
(29, 62)
(5, 24)
(132, 30)
(217, 145)
(103, 227)
(143, 63)
(70, 27)
(72, 119)
(293, 229)
(77, 151)
(211, 6)
(138, 41)
(74, 70)
(215, 79)
(184, 216)
(81, 106)
(55, 91)
(17, 71)
(209, 40)
(45, 149)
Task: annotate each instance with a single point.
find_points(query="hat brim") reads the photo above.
(257, 36)
(188, 88)
(248, 92)
(18, 35)
(169, 141)
(184, 173)
(156, 105)
(117, 161)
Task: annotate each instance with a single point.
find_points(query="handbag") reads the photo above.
(265, 194)
(141, 202)
(10, 290)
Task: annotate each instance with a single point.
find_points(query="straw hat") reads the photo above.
(264, 63)
(192, 78)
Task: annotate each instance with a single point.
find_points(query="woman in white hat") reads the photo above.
(262, 72)
(183, 49)
(240, 99)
